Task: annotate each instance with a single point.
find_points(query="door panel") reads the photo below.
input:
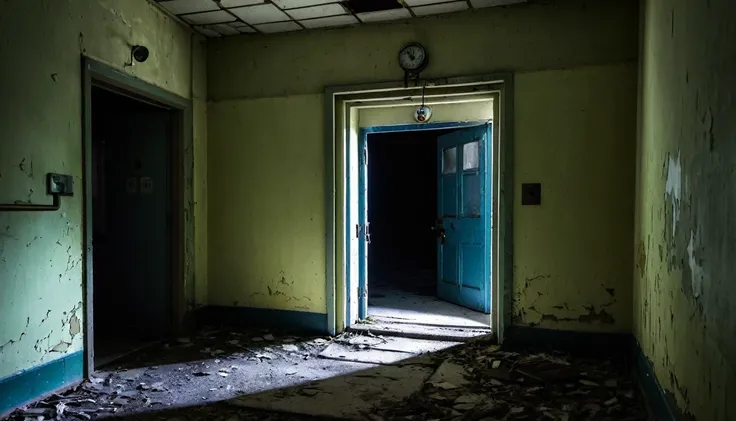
(464, 217)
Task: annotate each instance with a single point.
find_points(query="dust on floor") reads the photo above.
(233, 375)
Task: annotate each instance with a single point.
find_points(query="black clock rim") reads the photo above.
(421, 66)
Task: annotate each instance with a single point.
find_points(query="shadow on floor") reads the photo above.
(282, 378)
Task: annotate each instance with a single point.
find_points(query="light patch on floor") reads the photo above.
(404, 307)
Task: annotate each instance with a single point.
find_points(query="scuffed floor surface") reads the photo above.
(238, 375)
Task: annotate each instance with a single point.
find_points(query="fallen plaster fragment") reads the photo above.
(268, 337)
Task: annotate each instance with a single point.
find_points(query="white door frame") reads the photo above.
(340, 122)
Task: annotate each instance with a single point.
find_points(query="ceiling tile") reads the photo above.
(328, 22)
(219, 16)
(238, 3)
(223, 29)
(490, 3)
(290, 4)
(242, 27)
(423, 2)
(178, 7)
(317, 11)
(263, 13)
(207, 32)
(384, 15)
(440, 8)
(270, 28)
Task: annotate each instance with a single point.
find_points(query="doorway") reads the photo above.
(425, 228)
(137, 139)
(131, 183)
(403, 259)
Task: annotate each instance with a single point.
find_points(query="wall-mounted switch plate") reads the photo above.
(60, 184)
(531, 194)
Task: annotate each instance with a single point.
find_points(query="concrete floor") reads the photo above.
(400, 306)
(230, 375)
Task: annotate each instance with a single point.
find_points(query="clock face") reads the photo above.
(413, 57)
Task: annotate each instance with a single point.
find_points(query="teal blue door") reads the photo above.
(464, 217)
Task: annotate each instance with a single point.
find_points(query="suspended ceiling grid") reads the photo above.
(217, 18)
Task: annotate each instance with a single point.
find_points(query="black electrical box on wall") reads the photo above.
(531, 194)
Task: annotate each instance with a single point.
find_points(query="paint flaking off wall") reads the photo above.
(696, 271)
(673, 187)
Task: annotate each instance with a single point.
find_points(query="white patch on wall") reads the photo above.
(696, 271)
(673, 187)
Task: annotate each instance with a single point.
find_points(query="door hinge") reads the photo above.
(358, 230)
(362, 293)
(363, 156)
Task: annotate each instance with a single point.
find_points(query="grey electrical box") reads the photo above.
(60, 184)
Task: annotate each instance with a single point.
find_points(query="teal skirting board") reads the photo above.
(28, 385)
(293, 321)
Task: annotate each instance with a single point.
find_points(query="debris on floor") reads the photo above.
(229, 375)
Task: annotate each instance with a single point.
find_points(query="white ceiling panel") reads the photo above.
(178, 7)
(328, 22)
(317, 11)
(242, 27)
(423, 2)
(264, 13)
(270, 28)
(207, 32)
(290, 4)
(239, 3)
(223, 28)
(384, 15)
(490, 3)
(206, 18)
(436, 9)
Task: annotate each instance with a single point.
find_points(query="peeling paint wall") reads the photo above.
(41, 260)
(575, 123)
(684, 294)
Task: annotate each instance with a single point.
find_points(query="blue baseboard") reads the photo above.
(288, 320)
(571, 342)
(28, 385)
(591, 343)
(659, 403)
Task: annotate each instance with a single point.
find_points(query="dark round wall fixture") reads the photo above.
(139, 53)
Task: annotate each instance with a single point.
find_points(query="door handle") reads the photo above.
(439, 230)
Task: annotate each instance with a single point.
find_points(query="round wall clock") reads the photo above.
(413, 58)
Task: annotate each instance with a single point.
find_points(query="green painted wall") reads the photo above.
(684, 294)
(575, 123)
(41, 261)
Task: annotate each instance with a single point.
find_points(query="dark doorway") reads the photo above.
(402, 207)
(131, 200)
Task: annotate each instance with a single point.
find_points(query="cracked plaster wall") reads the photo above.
(575, 122)
(41, 262)
(684, 293)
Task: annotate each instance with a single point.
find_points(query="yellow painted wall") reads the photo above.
(266, 203)
(684, 292)
(41, 131)
(199, 104)
(266, 193)
(576, 134)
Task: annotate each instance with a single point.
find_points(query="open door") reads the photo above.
(464, 217)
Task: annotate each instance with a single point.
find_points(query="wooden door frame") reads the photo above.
(97, 74)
